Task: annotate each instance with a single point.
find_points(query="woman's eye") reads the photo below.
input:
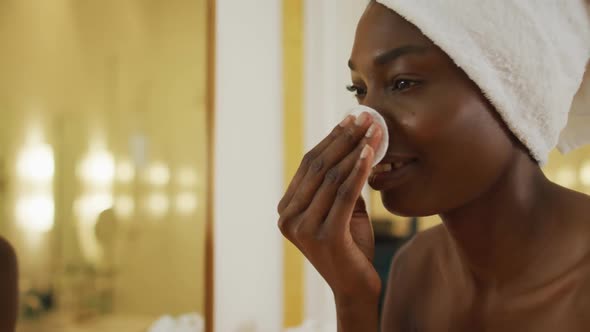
(358, 91)
(401, 85)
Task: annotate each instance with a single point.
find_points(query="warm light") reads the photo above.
(585, 174)
(158, 175)
(88, 207)
(187, 177)
(97, 169)
(125, 172)
(124, 206)
(157, 205)
(186, 203)
(36, 164)
(566, 177)
(36, 213)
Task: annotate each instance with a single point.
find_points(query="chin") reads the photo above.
(408, 205)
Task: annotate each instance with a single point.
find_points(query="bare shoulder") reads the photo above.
(420, 252)
(576, 235)
(574, 218)
(581, 198)
(584, 201)
(7, 254)
(410, 278)
(8, 287)
(577, 203)
(8, 263)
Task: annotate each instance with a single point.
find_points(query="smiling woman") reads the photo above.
(467, 137)
(419, 89)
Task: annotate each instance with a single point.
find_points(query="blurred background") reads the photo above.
(103, 160)
(144, 145)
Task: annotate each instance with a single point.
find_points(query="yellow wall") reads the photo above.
(293, 128)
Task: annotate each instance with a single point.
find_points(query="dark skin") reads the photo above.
(8, 287)
(513, 251)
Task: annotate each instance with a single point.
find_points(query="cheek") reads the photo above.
(463, 150)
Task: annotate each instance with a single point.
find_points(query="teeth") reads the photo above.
(382, 168)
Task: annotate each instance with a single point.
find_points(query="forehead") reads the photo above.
(380, 29)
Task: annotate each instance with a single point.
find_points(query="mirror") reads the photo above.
(103, 161)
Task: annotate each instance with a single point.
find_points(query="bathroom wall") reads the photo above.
(248, 166)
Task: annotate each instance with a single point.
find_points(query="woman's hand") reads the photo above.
(324, 215)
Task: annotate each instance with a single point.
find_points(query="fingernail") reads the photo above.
(365, 152)
(371, 131)
(346, 121)
(361, 119)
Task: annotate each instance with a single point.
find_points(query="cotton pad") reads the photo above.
(379, 120)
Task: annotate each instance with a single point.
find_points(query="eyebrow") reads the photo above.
(393, 54)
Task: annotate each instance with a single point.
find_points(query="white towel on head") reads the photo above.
(527, 56)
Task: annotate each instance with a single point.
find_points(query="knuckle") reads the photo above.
(349, 135)
(308, 158)
(295, 205)
(345, 192)
(297, 232)
(335, 132)
(282, 224)
(333, 176)
(317, 165)
(281, 206)
(286, 226)
(301, 234)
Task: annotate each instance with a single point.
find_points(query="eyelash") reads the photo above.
(356, 90)
(359, 92)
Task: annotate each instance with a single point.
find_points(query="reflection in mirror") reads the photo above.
(103, 161)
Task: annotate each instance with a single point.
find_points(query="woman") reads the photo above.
(513, 252)
(8, 287)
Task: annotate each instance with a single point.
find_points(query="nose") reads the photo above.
(374, 101)
(377, 101)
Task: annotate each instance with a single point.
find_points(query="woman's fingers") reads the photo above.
(309, 158)
(289, 217)
(326, 194)
(337, 150)
(348, 193)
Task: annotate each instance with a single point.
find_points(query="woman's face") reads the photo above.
(447, 143)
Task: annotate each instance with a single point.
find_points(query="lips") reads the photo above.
(392, 171)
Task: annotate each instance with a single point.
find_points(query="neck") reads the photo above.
(500, 235)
